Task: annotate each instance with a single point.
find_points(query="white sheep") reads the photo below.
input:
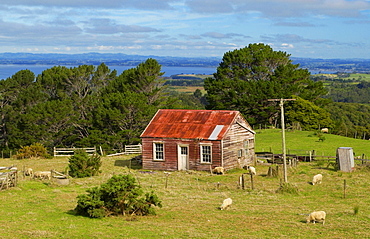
(325, 130)
(226, 203)
(252, 170)
(318, 216)
(42, 174)
(28, 172)
(218, 170)
(317, 179)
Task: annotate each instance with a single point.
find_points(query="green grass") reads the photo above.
(358, 76)
(301, 141)
(44, 209)
(352, 76)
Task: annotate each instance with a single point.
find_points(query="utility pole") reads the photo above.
(283, 134)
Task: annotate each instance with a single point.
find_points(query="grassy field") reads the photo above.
(301, 141)
(186, 89)
(44, 209)
(352, 76)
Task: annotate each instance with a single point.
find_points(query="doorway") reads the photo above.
(183, 157)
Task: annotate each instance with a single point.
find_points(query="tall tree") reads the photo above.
(128, 103)
(307, 114)
(246, 78)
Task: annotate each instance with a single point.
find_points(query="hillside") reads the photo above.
(191, 201)
(271, 139)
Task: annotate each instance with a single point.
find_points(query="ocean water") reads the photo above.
(9, 70)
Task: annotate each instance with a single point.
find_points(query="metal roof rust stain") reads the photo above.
(190, 124)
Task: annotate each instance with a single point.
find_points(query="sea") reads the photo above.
(9, 70)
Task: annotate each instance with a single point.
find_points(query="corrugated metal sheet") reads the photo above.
(190, 124)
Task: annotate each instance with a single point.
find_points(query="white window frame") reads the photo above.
(155, 151)
(246, 146)
(202, 154)
(240, 153)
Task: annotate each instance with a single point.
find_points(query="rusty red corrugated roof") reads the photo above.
(190, 124)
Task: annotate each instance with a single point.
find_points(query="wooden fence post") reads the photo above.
(167, 174)
(252, 182)
(242, 178)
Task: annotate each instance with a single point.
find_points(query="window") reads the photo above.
(240, 153)
(205, 153)
(158, 151)
(246, 146)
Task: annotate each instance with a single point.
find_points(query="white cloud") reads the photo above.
(184, 27)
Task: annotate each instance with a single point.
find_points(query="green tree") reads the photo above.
(351, 119)
(246, 78)
(121, 195)
(82, 165)
(307, 114)
(128, 103)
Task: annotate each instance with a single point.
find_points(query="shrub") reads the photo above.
(121, 195)
(356, 209)
(82, 165)
(287, 188)
(36, 150)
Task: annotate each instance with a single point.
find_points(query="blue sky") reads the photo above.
(188, 28)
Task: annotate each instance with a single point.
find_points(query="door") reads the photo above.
(183, 157)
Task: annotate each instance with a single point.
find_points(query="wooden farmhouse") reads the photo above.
(197, 140)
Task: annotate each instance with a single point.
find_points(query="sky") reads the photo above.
(187, 28)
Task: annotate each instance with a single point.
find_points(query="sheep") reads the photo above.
(42, 174)
(252, 170)
(317, 179)
(218, 170)
(226, 204)
(325, 130)
(318, 216)
(28, 172)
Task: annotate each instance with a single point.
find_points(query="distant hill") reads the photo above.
(120, 59)
(112, 59)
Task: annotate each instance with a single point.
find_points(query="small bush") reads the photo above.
(356, 209)
(287, 188)
(82, 165)
(121, 195)
(320, 163)
(36, 150)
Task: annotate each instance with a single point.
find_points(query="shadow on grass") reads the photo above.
(72, 212)
(128, 163)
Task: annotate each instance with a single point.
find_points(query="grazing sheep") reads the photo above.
(226, 203)
(316, 179)
(218, 170)
(28, 172)
(252, 170)
(325, 130)
(42, 174)
(317, 217)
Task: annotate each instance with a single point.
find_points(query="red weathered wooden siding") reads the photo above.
(234, 141)
(171, 154)
(194, 128)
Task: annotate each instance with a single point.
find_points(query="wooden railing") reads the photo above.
(63, 152)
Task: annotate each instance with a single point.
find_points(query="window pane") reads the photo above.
(206, 154)
(184, 150)
(158, 151)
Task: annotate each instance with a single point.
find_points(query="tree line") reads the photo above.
(90, 105)
(80, 106)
